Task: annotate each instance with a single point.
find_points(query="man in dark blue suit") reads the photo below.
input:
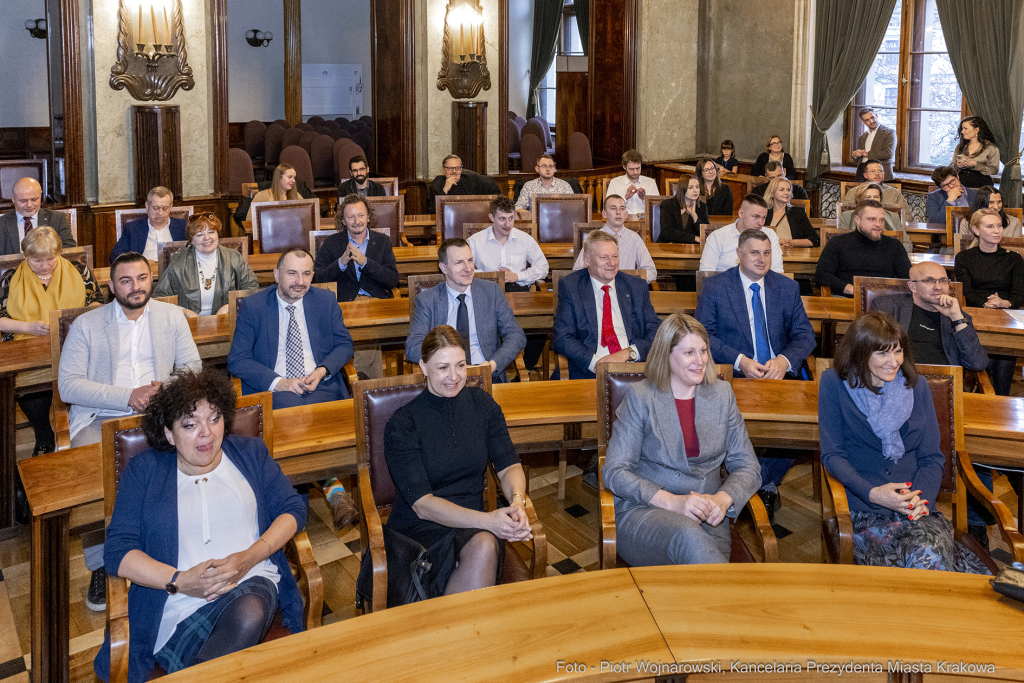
(142, 235)
(291, 339)
(756, 322)
(603, 316)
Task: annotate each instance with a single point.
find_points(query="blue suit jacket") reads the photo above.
(936, 204)
(134, 234)
(722, 310)
(577, 326)
(253, 352)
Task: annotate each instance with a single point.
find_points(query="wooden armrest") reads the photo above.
(607, 552)
(350, 374)
(60, 422)
(539, 561)
(541, 286)
(396, 292)
(763, 529)
(520, 366)
(833, 494)
(826, 291)
(117, 623)
(371, 533)
(405, 241)
(655, 287)
(985, 383)
(998, 509)
(300, 551)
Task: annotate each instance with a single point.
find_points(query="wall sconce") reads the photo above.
(464, 65)
(37, 27)
(151, 57)
(258, 38)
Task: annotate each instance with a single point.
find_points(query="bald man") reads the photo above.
(28, 215)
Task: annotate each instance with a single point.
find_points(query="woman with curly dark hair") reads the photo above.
(976, 156)
(198, 528)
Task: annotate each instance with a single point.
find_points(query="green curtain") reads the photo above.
(847, 36)
(583, 22)
(547, 19)
(986, 49)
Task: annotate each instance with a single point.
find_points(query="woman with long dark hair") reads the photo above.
(976, 156)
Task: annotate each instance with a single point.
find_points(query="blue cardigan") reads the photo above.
(852, 453)
(146, 518)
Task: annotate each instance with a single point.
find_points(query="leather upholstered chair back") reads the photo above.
(652, 214)
(165, 250)
(554, 215)
(418, 283)
(531, 147)
(297, 157)
(253, 135)
(284, 225)
(452, 212)
(389, 214)
(867, 289)
(240, 170)
(272, 144)
(580, 154)
(123, 216)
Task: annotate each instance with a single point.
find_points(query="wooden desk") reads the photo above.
(715, 614)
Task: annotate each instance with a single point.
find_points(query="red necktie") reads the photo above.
(608, 337)
(28, 225)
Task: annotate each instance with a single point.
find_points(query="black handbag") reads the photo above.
(408, 571)
(1010, 581)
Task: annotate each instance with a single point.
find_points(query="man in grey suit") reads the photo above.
(29, 214)
(113, 361)
(476, 308)
(877, 144)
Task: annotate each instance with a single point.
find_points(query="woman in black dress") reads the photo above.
(715, 194)
(773, 151)
(683, 214)
(437, 448)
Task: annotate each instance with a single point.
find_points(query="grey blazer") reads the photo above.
(89, 359)
(962, 348)
(58, 220)
(501, 339)
(646, 451)
(883, 148)
(182, 278)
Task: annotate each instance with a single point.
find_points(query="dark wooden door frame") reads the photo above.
(502, 114)
(219, 87)
(69, 70)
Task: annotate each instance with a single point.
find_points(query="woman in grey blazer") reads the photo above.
(672, 433)
(202, 273)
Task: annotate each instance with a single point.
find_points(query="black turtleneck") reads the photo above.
(854, 254)
(441, 446)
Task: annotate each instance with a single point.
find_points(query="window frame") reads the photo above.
(564, 37)
(911, 18)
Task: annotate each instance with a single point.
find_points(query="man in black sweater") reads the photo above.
(360, 182)
(864, 251)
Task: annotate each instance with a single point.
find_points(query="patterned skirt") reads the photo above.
(181, 650)
(889, 539)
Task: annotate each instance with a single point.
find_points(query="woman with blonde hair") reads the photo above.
(789, 222)
(673, 432)
(282, 188)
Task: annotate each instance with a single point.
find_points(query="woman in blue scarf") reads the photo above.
(880, 439)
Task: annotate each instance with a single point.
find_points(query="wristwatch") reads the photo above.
(633, 355)
(327, 373)
(172, 587)
(961, 321)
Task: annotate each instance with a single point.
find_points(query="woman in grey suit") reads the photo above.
(202, 273)
(672, 433)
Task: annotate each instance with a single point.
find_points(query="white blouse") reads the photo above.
(206, 266)
(216, 518)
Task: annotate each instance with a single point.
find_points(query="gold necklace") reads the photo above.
(207, 281)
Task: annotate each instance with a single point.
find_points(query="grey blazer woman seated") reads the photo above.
(647, 457)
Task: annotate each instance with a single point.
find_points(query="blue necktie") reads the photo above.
(760, 326)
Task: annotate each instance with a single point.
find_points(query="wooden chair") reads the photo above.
(804, 204)
(581, 230)
(958, 478)
(60, 325)
(13, 170)
(612, 381)
(668, 186)
(389, 217)
(701, 276)
(555, 214)
(470, 229)
(390, 185)
(123, 439)
(165, 250)
(250, 189)
(279, 226)
(954, 214)
(72, 215)
(827, 233)
(123, 216)
(452, 212)
(847, 184)
(1009, 243)
(73, 254)
(652, 215)
(376, 401)
(708, 228)
(604, 191)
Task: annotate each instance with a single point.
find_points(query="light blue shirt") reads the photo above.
(476, 356)
(748, 296)
(359, 269)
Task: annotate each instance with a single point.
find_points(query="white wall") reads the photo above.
(338, 32)
(24, 97)
(520, 49)
(255, 74)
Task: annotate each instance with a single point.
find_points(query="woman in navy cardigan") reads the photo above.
(214, 584)
(880, 439)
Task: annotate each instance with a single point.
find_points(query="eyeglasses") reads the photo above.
(546, 166)
(453, 168)
(931, 282)
(949, 184)
(776, 142)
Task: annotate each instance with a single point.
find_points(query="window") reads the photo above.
(913, 90)
(568, 43)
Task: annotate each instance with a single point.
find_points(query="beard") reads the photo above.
(128, 305)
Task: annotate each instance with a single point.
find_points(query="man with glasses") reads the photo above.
(455, 182)
(142, 235)
(873, 173)
(950, 193)
(360, 182)
(547, 183)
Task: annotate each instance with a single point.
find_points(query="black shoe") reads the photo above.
(96, 598)
(979, 533)
(590, 479)
(772, 503)
(22, 512)
(43, 448)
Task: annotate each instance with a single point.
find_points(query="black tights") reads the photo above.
(243, 624)
(36, 407)
(1000, 371)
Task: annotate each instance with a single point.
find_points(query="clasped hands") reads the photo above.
(634, 190)
(301, 385)
(899, 497)
(212, 578)
(775, 368)
(510, 523)
(700, 507)
(352, 254)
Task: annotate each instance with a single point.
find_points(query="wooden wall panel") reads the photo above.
(394, 88)
(613, 33)
(219, 88)
(573, 104)
(293, 61)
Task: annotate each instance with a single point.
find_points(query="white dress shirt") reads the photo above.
(476, 356)
(281, 367)
(216, 518)
(156, 235)
(633, 253)
(634, 205)
(867, 145)
(520, 254)
(136, 366)
(617, 323)
(21, 225)
(748, 296)
(720, 249)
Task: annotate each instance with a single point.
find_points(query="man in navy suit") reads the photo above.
(291, 339)
(142, 235)
(756, 322)
(475, 307)
(603, 316)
